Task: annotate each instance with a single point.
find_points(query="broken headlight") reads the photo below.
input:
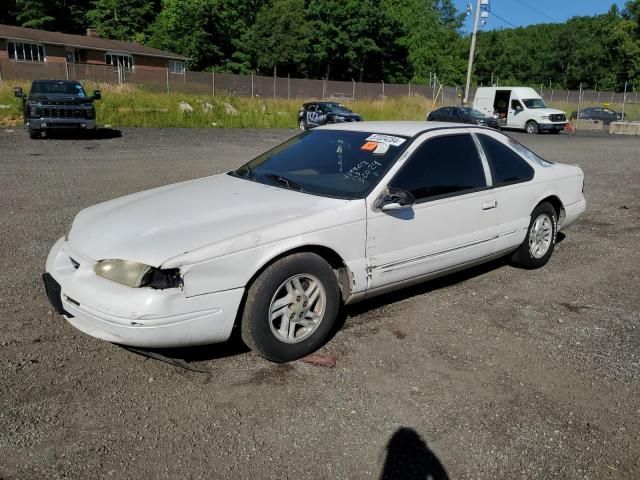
(134, 274)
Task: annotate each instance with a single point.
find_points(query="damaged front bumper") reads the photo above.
(141, 317)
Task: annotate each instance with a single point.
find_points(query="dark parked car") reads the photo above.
(55, 104)
(605, 115)
(314, 114)
(463, 115)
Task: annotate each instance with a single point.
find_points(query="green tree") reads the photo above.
(351, 39)
(182, 27)
(207, 31)
(431, 38)
(8, 14)
(279, 38)
(56, 15)
(123, 19)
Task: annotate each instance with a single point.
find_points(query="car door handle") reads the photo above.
(489, 205)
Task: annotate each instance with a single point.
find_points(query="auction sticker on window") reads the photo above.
(386, 139)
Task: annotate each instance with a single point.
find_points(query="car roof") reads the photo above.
(55, 81)
(402, 128)
(321, 103)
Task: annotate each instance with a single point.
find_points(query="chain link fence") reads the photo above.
(228, 84)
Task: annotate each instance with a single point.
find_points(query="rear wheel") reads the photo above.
(540, 241)
(291, 308)
(531, 127)
(34, 134)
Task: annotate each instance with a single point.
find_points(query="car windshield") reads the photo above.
(472, 112)
(535, 103)
(334, 163)
(65, 88)
(337, 108)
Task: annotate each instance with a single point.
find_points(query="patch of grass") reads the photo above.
(131, 106)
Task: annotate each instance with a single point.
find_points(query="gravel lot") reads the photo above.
(494, 373)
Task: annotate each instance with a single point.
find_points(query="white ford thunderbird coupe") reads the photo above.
(278, 246)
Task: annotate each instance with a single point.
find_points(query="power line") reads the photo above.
(500, 18)
(535, 10)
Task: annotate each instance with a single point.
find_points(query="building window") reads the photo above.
(176, 66)
(26, 52)
(76, 56)
(121, 60)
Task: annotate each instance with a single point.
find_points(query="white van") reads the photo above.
(519, 108)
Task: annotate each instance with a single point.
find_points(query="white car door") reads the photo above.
(515, 119)
(453, 221)
(514, 190)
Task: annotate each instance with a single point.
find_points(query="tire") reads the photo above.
(301, 125)
(540, 241)
(276, 290)
(34, 134)
(531, 127)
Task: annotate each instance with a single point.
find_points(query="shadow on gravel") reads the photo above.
(187, 358)
(99, 134)
(234, 346)
(409, 458)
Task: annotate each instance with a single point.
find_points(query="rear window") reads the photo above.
(506, 165)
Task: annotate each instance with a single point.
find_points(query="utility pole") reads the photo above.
(472, 51)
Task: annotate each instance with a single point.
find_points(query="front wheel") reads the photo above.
(291, 308)
(34, 134)
(540, 241)
(531, 127)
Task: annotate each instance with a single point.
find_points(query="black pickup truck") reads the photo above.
(56, 104)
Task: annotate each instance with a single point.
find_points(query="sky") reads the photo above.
(520, 13)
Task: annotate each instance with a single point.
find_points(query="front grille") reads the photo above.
(64, 111)
(558, 117)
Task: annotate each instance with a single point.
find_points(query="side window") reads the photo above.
(507, 166)
(442, 166)
(515, 105)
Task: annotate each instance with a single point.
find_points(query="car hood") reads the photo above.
(58, 97)
(347, 115)
(547, 111)
(483, 118)
(163, 223)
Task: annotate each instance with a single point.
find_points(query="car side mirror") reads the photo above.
(519, 108)
(97, 95)
(395, 199)
(17, 92)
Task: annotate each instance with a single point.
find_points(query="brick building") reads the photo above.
(28, 45)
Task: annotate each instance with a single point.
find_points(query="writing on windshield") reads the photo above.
(336, 163)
